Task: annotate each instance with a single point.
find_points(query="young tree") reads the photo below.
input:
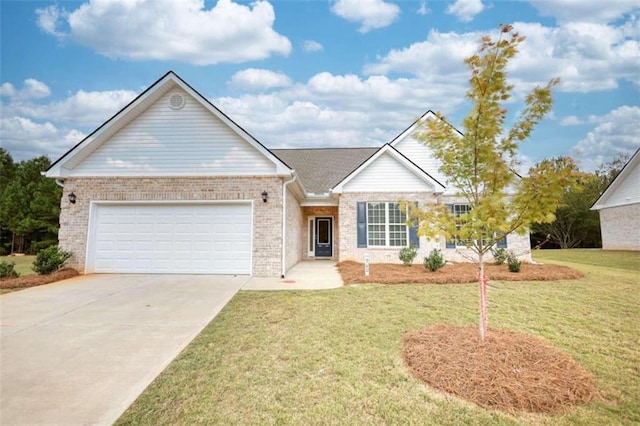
(480, 163)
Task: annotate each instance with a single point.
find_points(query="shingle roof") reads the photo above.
(320, 169)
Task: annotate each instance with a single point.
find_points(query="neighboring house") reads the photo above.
(170, 184)
(619, 207)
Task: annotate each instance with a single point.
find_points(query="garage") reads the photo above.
(173, 238)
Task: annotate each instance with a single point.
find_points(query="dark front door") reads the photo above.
(324, 237)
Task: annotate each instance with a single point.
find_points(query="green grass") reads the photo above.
(23, 263)
(597, 257)
(334, 357)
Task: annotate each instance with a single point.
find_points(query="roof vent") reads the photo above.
(177, 101)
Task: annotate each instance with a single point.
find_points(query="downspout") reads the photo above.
(284, 220)
(60, 183)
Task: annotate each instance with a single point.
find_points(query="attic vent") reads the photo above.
(177, 101)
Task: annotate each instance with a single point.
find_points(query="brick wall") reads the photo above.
(620, 227)
(267, 225)
(294, 226)
(518, 244)
(348, 219)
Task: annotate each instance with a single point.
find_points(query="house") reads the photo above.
(619, 208)
(170, 184)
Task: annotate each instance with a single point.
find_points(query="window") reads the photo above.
(459, 210)
(386, 225)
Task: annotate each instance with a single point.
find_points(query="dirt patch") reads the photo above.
(36, 280)
(458, 273)
(510, 371)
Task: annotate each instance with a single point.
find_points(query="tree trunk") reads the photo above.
(482, 286)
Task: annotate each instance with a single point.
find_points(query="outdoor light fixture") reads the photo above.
(265, 195)
(72, 198)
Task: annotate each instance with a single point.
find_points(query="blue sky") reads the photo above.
(318, 73)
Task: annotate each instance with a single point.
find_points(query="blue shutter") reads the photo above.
(413, 232)
(450, 243)
(502, 242)
(362, 224)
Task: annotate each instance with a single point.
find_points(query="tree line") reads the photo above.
(29, 205)
(575, 225)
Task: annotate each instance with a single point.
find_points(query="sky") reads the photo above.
(322, 73)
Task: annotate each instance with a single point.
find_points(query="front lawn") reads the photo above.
(23, 263)
(335, 357)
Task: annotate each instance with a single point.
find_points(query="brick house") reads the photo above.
(619, 208)
(170, 184)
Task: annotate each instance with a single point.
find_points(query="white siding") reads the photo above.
(163, 141)
(628, 192)
(386, 174)
(421, 156)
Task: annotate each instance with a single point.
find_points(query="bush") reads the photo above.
(499, 255)
(513, 263)
(434, 261)
(407, 254)
(50, 260)
(7, 270)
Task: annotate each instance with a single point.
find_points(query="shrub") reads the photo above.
(7, 270)
(407, 254)
(50, 260)
(434, 261)
(513, 263)
(499, 255)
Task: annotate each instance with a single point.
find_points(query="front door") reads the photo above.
(324, 237)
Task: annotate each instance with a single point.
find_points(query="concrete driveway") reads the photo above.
(80, 351)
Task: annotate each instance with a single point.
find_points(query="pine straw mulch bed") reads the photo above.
(510, 371)
(457, 273)
(36, 280)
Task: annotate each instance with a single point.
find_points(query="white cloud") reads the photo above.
(423, 9)
(571, 120)
(312, 46)
(32, 89)
(50, 18)
(585, 11)
(465, 10)
(181, 31)
(616, 132)
(371, 14)
(587, 57)
(259, 79)
(32, 125)
(338, 110)
(26, 139)
(440, 53)
(82, 108)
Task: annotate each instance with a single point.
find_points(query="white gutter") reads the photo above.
(60, 182)
(284, 220)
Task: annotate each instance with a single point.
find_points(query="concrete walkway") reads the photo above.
(80, 351)
(305, 275)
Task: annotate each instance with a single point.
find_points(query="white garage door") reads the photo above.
(170, 238)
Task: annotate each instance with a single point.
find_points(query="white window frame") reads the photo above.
(387, 226)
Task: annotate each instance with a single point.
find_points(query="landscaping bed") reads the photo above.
(509, 371)
(458, 273)
(36, 280)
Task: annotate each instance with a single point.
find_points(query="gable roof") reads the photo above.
(429, 115)
(320, 169)
(632, 165)
(387, 148)
(61, 167)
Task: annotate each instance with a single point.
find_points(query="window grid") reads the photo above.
(459, 210)
(386, 225)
